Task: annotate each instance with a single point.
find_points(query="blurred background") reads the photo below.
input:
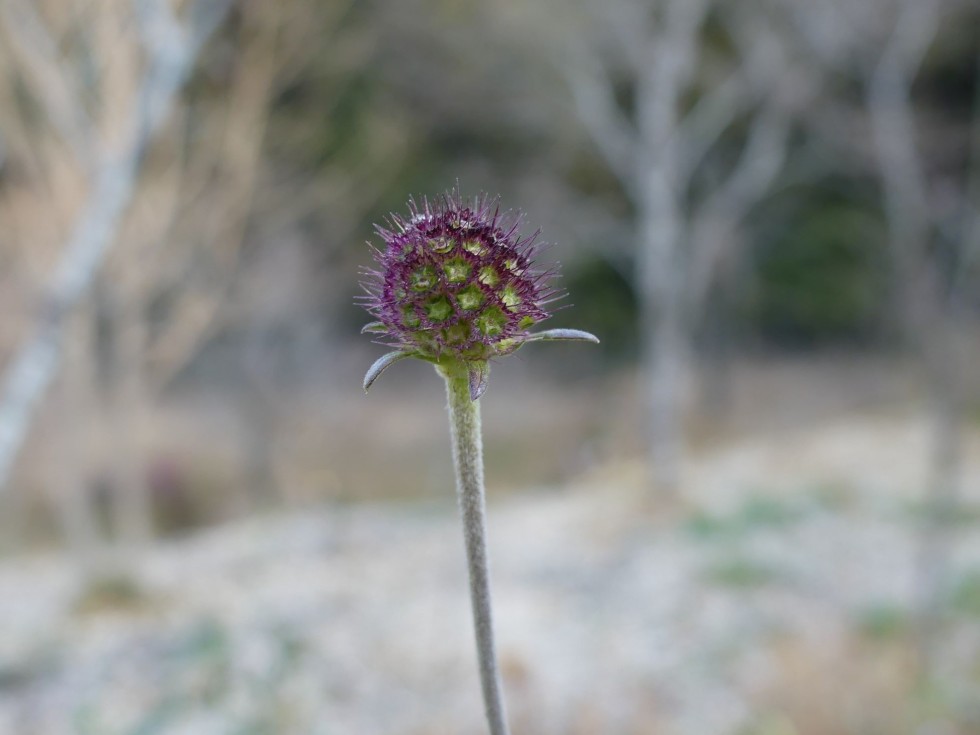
(753, 510)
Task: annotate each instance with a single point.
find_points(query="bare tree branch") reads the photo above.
(35, 364)
(892, 125)
(614, 135)
(760, 69)
(710, 117)
(717, 219)
(38, 54)
(239, 157)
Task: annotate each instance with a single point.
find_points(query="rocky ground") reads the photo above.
(775, 599)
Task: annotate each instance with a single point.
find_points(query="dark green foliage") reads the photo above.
(948, 80)
(821, 277)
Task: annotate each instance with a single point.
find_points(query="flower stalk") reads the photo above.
(456, 286)
(464, 422)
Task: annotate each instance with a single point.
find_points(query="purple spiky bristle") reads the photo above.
(457, 279)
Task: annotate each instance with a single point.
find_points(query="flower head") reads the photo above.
(457, 285)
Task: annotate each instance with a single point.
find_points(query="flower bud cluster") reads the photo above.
(457, 280)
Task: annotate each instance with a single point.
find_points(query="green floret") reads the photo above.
(423, 278)
(457, 270)
(457, 334)
(441, 245)
(510, 297)
(438, 308)
(491, 322)
(488, 276)
(470, 298)
(474, 246)
(409, 316)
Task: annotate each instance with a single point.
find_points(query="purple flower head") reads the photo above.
(457, 285)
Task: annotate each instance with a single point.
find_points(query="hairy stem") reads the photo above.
(464, 420)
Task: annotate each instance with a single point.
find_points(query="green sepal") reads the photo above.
(382, 364)
(560, 335)
(479, 374)
(374, 328)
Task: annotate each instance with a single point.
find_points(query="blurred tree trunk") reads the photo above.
(669, 67)
(928, 323)
(717, 391)
(110, 157)
(129, 400)
(658, 147)
(235, 161)
(261, 422)
(71, 482)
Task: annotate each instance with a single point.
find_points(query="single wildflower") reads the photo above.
(456, 285)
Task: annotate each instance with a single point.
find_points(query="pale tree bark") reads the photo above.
(669, 67)
(72, 468)
(887, 41)
(218, 238)
(236, 159)
(716, 236)
(186, 222)
(128, 410)
(658, 148)
(928, 317)
(170, 47)
(277, 41)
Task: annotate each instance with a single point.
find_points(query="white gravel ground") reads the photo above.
(611, 618)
